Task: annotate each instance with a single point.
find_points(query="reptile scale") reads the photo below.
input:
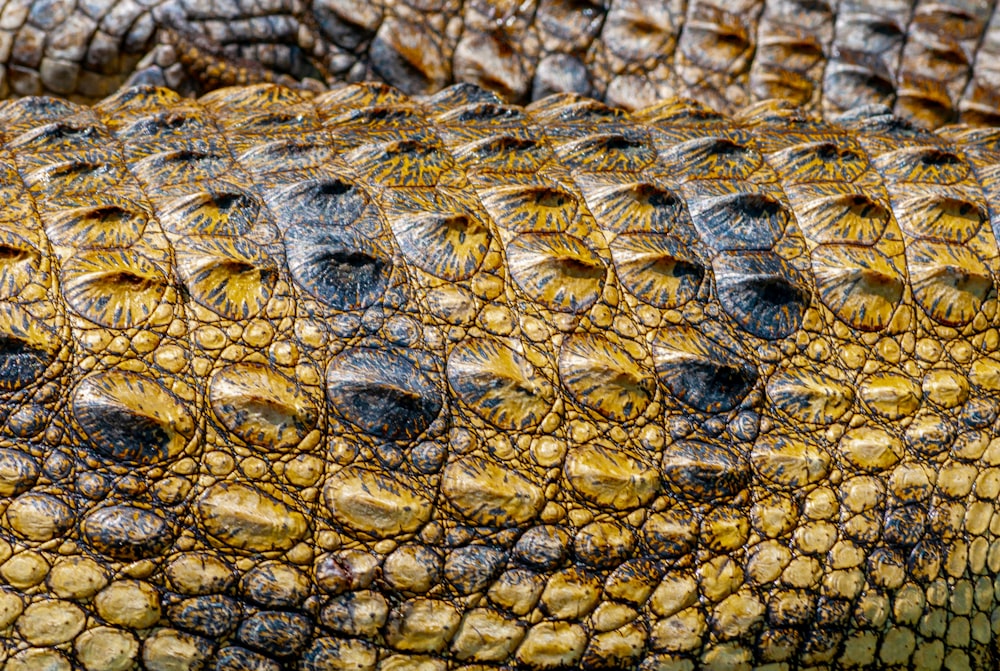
(358, 381)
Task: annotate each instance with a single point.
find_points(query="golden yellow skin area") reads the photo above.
(359, 381)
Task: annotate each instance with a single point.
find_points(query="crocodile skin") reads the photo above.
(358, 381)
(932, 62)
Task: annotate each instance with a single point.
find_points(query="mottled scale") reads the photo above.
(118, 289)
(499, 384)
(109, 221)
(840, 213)
(131, 418)
(657, 268)
(528, 207)
(703, 471)
(605, 376)
(443, 234)
(949, 282)
(232, 277)
(557, 270)
(860, 285)
(814, 396)
(261, 406)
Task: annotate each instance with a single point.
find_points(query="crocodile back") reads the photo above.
(932, 62)
(358, 380)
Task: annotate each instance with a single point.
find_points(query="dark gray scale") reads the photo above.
(561, 72)
(21, 364)
(699, 371)
(382, 392)
(162, 131)
(233, 658)
(212, 615)
(279, 634)
(332, 243)
(473, 568)
(747, 221)
(320, 202)
(700, 471)
(128, 533)
(762, 293)
(543, 547)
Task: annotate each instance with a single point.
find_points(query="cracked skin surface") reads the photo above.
(932, 63)
(361, 381)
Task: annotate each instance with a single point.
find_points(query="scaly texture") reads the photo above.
(358, 381)
(931, 62)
